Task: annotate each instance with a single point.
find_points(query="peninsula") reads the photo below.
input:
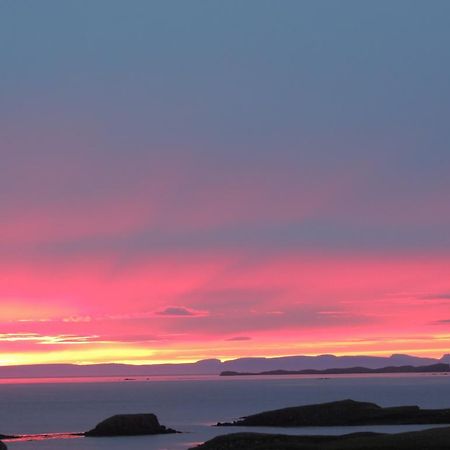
(343, 413)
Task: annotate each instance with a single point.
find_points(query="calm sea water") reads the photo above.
(192, 405)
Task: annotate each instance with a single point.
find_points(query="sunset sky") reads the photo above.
(183, 180)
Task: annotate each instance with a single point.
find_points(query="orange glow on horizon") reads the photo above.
(195, 351)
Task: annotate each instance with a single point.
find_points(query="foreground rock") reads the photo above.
(433, 439)
(344, 413)
(129, 425)
(2, 446)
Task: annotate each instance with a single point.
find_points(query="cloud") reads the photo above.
(69, 339)
(77, 319)
(13, 337)
(49, 339)
(178, 311)
(240, 322)
(131, 338)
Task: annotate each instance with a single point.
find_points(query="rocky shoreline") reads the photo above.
(343, 413)
(431, 439)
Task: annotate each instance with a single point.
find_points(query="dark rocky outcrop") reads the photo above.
(129, 425)
(432, 439)
(344, 413)
(2, 446)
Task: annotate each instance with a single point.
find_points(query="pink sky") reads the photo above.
(187, 180)
(135, 263)
(199, 305)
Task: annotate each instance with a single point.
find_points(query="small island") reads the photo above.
(129, 425)
(343, 413)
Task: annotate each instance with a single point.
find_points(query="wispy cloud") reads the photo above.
(73, 339)
(48, 339)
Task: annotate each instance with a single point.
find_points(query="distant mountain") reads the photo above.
(203, 367)
(323, 362)
(215, 366)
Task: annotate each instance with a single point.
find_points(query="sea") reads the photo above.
(43, 411)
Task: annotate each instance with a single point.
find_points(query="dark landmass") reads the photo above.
(322, 362)
(343, 413)
(6, 436)
(204, 367)
(440, 367)
(129, 425)
(432, 439)
(2, 446)
(215, 366)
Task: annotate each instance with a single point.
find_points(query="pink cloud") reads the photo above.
(179, 311)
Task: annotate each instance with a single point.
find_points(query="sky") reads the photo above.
(182, 180)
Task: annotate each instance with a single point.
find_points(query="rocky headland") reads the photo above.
(343, 413)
